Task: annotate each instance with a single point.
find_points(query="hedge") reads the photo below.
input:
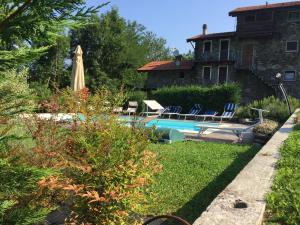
(210, 98)
(277, 108)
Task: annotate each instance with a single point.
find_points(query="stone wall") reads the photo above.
(242, 202)
(270, 56)
(158, 79)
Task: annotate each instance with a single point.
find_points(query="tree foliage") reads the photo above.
(23, 24)
(114, 48)
(18, 99)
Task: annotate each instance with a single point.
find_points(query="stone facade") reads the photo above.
(158, 79)
(252, 55)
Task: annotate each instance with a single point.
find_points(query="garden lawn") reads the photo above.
(194, 173)
(283, 203)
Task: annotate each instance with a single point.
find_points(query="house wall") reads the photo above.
(270, 56)
(158, 79)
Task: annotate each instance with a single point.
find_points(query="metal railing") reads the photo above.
(216, 56)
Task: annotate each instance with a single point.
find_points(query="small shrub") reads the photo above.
(101, 167)
(212, 98)
(42, 95)
(268, 128)
(19, 201)
(15, 95)
(277, 109)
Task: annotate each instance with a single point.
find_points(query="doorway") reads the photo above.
(224, 50)
(247, 56)
(223, 72)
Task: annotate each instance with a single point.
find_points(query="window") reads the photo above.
(266, 16)
(206, 73)
(292, 46)
(223, 72)
(294, 16)
(207, 46)
(289, 75)
(181, 75)
(250, 18)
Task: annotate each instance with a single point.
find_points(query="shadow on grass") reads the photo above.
(193, 209)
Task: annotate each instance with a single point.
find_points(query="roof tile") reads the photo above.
(211, 36)
(265, 6)
(166, 65)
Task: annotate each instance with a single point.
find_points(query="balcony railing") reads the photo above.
(255, 29)
(219, 56)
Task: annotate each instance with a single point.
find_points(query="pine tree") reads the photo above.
(29, 28)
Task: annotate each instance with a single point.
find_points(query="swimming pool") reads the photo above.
(185, 126)
(180, 125)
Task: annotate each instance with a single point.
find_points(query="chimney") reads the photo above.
(178, 59)
(204, 29)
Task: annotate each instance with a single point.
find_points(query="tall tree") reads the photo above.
(114, 48)
(52, 69)
(23, 23)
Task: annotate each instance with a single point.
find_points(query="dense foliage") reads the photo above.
(194, 173)
(16, 96)
(277, 108)
(114, 48)
(96, 168)
(284, 201)
(211, 98)
(28, 28)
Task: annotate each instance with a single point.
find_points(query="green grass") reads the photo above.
(283, 203)
(194, 173)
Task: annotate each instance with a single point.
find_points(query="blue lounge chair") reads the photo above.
(195, 110)
(172, 110)
(229, 111)
(208, 114)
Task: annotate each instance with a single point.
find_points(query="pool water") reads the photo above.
(180, 125)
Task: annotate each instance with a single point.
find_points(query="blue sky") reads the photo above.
(177, 20)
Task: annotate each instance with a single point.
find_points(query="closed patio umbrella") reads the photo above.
(77, 82)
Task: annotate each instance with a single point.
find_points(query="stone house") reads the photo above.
(265, 42)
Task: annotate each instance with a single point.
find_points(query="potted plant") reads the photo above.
(263, 132)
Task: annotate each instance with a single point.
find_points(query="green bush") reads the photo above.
(19, 202)
(211, 98)
(15, 95)
(268, 127)
(137, 96)
(277, 109)
(102, 168)
(42, 92)
(283, 202)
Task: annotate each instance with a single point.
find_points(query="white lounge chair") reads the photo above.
(238, 131)
(154, 106)
(229, 111)
(172, 111)
(207, 114)
(132, 108)
(195, 110)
